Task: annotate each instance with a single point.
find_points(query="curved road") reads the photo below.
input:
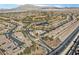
(64, 44)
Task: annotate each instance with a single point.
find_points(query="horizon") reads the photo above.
(10, 6)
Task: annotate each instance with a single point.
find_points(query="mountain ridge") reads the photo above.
(30, 7)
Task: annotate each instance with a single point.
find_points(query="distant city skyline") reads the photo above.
(10, 6)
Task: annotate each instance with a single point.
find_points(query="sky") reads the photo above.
(60, 5)
(9, 6)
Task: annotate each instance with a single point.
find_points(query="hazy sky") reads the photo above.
(9, 6)
(61, 5)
